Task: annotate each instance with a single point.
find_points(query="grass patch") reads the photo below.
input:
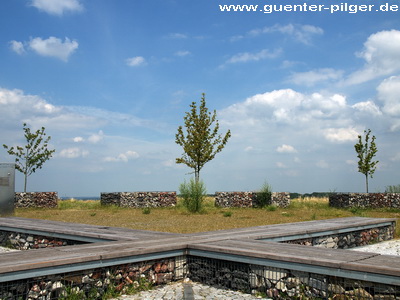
(178, 220)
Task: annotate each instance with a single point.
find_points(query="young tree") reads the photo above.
(365, 152)
(201, 142)
(33, 155)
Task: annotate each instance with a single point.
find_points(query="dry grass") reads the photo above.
(211, 218)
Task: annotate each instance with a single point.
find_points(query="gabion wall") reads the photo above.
(249, 199)
(283, 283)
(95, 283)
(36, 199)
(26, 241)
(364, 200)
(139, 199)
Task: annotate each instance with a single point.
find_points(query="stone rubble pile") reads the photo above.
(24, 241)
(139, 199)
(364, 200)
(249, 199)
(36, 199)
(349, 240)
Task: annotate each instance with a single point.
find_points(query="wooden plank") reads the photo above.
(284, 252)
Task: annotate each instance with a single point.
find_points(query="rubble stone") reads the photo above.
(139, 199)
(249, 199)
(36, 199)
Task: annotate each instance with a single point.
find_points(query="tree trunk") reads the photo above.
(366, 181)
(25, 181)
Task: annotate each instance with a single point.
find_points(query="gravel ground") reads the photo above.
(386, 248)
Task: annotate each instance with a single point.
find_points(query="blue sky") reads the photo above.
(111, 81)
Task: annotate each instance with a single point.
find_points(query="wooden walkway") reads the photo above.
(114, 246)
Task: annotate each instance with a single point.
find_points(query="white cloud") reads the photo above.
(78, 139)
(177, 35)
(382, 57)
(122, 157)
(17, 47)
(310, 78)
(247, 56)
(54, 47)
(396, 157)
(301, 33)
(288, 107)
(73, 153)
(388, 94)
(136, 61)
(341, 134)
(182, 53)
(17, 103)
(368, 107)
(286, 149)
(280, 165)
(16, 106)
(57, 7)
(97, 137)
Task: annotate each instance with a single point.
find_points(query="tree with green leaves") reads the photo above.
(33, 155)
(201, 141)
(365, 153)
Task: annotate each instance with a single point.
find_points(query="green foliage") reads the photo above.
(264, 195)
(227, 213)
(271, 207)
(146, 210)
(193, 194)
(33, 155)
(365, 153)
(78, 204)
(393, 189)
(201, 142)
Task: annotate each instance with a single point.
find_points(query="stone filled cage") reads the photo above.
(276, 283)
(97, 283)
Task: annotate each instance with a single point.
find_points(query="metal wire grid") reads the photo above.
(278, 283)
(95, 283)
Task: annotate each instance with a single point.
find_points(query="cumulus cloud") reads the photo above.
(136, 61)
(286, 149)
(57, 7)
(54, 47)
(382, 57)
(388, 94)
(15, 103)
(368, 107)
(313, 77)
(17, 47)
(73, 153)
(341, 134)
(16, 106)
(287, 107)
(122, 157)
